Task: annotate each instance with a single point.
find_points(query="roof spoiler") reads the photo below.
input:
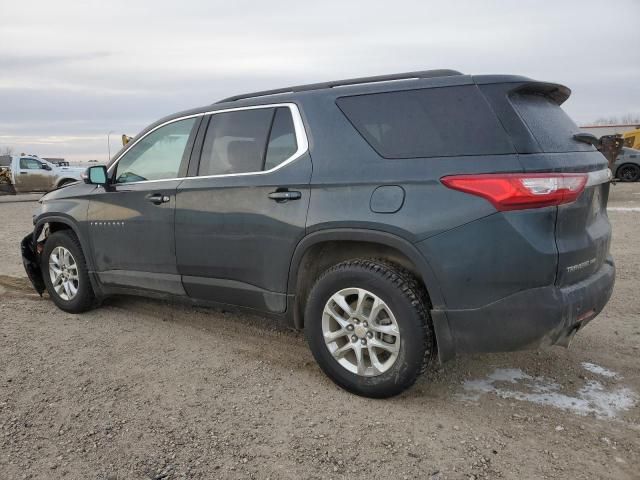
(556, 92)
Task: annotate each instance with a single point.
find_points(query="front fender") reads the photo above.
(72, 224)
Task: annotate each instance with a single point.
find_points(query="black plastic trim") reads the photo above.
(349, 81)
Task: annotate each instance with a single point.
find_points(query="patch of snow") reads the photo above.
(592, 398)
(598, 370)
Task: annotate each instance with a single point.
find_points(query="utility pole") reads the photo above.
(109, 145)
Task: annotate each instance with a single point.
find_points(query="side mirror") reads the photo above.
(45, 166)
(96, 175)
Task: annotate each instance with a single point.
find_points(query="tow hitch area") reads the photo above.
(581, 321)
(31, 264)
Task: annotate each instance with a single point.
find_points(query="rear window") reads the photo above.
(5, 160)
(434, 122)
(552, 128)
(282, 139)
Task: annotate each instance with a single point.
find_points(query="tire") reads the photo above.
(6, 188)
(628, 172)
(407, 302)
(83, 298)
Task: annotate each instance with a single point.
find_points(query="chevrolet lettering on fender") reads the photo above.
(573, 268)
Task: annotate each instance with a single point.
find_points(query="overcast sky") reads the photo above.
(72, 71)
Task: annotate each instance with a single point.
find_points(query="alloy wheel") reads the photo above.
(361, 332)
(63, 271)
(629, 173)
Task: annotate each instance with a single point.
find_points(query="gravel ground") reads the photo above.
(143, 389)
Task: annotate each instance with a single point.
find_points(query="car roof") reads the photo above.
(336, 88)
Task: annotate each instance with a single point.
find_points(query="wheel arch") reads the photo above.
(63, 222)
(319, 250)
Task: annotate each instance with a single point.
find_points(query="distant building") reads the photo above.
(600, 130)
(54, 160)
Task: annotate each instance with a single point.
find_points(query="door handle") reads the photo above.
(158, 198)
(285, 195)
(24, 173)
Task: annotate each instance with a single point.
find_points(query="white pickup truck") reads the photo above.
(33, 174)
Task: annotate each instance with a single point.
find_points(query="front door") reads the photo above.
(240, 218)
(33, 176)
(131, 223)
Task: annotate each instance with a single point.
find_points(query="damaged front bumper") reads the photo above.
(31, 262)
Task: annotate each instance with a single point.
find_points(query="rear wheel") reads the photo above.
(65, 274)
(368, 327)
(629, 172)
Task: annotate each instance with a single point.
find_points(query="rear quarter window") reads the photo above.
(434, 122)
(552, 128)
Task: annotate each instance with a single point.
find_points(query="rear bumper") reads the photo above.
(525, 320)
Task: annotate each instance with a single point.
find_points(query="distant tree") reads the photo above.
(626, 119)
(630, 118)
(6, 150)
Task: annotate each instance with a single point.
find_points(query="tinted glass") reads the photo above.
(552, 128)
(158, 155)
(5, 160)
(282, 140)
(235, 142)
(30, 164)
(435, 122)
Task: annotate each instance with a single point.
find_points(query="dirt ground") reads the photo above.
(143, 389)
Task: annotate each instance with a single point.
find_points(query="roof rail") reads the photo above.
(350, 81)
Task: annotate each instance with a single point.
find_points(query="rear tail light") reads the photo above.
(517, 191)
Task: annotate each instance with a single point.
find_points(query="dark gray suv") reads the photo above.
(396, 219)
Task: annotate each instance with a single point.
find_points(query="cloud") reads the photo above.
(21, 62)
(85, 68)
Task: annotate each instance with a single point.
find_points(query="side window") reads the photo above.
(282, 140)
(433, 122)
(158, 155)
(235, 142)
(30, 164)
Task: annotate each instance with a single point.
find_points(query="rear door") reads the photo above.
(583, 232)
(241, 214)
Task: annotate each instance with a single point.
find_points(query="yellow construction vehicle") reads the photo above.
(632, 139)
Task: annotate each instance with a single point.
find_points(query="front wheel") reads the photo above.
(65, 274)
(368, 326)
